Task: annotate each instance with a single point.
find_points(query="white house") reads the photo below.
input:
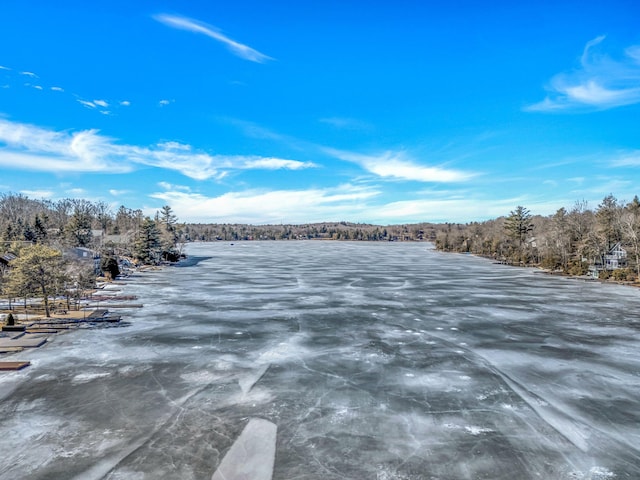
(616, 258)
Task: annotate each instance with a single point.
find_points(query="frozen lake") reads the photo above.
(374, 361)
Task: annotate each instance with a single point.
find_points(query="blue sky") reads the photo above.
(294, 112)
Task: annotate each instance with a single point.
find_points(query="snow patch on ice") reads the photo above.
(473, 430)
(594, 473)
(133, 370)
(87, 377)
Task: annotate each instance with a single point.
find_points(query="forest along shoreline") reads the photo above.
(600, 244)
(547, 271)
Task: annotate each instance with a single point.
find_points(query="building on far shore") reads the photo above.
(101, 238)
(86, 255)
(6, 258)
(614, 259)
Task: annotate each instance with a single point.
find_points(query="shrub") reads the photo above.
(623, 275)
(577, 267)
(110, 265)
(551, 262)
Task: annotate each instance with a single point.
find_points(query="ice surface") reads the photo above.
(372, 361)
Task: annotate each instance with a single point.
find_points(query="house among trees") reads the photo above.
(614, 259)
(6, 258)
(102, 238)
(86, 255)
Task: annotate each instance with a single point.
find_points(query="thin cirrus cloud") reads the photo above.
(395, 165)
(240, 50)
(99, 105)
(599, 83)
(457, 209)
(29, 147)
(344, 123)
(627, 159)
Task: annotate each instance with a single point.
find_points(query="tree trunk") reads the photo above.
(45, 300)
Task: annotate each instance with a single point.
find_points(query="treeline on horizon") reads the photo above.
(81, 223)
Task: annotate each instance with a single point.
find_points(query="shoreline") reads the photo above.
(33, 329)
(546, 271)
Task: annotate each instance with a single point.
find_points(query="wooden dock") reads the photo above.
(6, 366)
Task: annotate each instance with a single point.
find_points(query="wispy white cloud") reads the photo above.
(202, 166)
(164, 102)
(627, 159)
(171, 186)
(238, 49)
(38, 193)
(347, 201)
(276, 164)
(118, 193)
(177, 146)
(76, 192)
(86, 103)
(99, 105)
(396, 165)
(601, 186)
(276, 206)
(33, 148)
(600, 82)
(254, 130)
(30, 147)
(345, 123)
(446, 210)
